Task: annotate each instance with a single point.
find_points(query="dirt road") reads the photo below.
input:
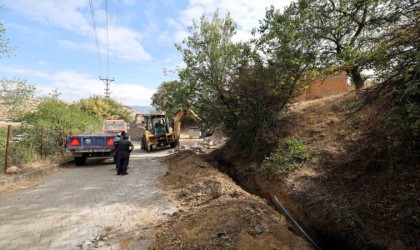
(88, 207)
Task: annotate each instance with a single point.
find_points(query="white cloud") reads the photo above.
(124, 46)
(17, 70)
(42, 63)
(164, 38)
(63, 14)
(180, 36)
(245, 13)
(74, 85)
(74, 16)
(129, 2)
(174, 24)
(242, 36)
(131, 94)
(192, 12)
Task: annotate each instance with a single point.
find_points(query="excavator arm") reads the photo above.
(181, 114)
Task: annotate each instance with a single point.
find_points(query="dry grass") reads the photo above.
(356, 190)
(346, 187)
(298, 106)
(38, 164)
(45, 162)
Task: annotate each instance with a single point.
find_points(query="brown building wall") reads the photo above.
(324, 87)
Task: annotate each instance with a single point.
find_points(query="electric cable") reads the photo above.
(90, 8)
(107, 35)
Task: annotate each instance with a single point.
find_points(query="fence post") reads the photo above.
(42, 141)
(7, 148)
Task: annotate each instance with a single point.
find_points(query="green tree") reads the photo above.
(288, 47)
(208, 55)
(15, 96)
(345, 30)
(395, 60)
(52, 117)
(241, 87)
(14, 93)
(54, 114)
(5, 48)
(171, 96)
(212, 61)
(105, 108)
(262, 88)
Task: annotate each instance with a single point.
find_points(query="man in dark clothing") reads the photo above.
(124, 149)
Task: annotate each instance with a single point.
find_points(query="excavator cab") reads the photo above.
(157, 124)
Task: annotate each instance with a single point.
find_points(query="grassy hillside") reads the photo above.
(358, 189)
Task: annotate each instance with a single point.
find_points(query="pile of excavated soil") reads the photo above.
(215, 213)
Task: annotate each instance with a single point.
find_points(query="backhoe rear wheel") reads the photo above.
(148, 148)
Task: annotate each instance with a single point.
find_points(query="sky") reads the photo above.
(68, 45)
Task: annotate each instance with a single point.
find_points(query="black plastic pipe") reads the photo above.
(305, 235)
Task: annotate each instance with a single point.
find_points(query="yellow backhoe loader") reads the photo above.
(160, 133)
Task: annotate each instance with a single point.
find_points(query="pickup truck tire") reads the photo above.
(174, 144)
(79, 161)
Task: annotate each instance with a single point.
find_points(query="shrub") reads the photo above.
(290, 155)
(19, 152)
(25, 144)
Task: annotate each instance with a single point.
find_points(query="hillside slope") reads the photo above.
(357, 191)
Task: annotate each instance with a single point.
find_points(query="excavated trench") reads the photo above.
(246, 180)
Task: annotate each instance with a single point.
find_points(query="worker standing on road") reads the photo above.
(116, 144)
(124, 149)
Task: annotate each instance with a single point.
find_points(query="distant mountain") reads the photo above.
(142, 109)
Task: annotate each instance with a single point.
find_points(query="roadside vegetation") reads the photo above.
(346, 166)
(49, 119)
(46, 118)
(245, 88)
(290, 154)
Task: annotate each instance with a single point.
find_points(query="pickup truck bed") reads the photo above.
(84, 146)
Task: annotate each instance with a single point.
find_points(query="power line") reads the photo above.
(92, 22)
(90, 7)
(116, 34)
(107, 35)
(107, 80)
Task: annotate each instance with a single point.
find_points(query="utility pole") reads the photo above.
(107, 81)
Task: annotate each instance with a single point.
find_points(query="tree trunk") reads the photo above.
(357, 77)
